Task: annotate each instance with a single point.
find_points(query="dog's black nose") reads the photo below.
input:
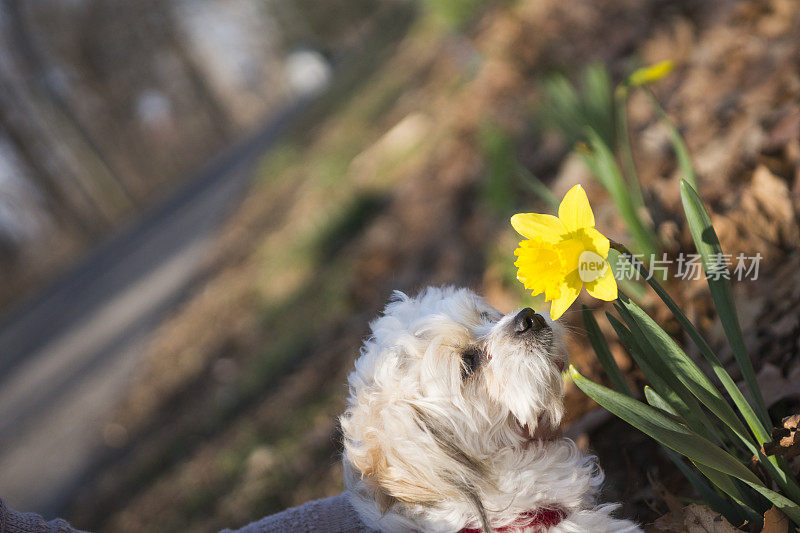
(528, 320)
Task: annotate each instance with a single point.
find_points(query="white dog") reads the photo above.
(452, 424)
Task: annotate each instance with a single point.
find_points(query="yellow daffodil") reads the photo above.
(653, 73)
(562, 254)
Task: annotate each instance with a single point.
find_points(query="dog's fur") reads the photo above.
(452, 422)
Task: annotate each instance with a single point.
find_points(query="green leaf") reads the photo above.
(707, 244)
(664, 429)
(777, 469)
(570, 111)
(635, 351)
(677, 363)
(678, 144)
(774, 465)
(727, 484)
(786, 506)
(665, 381)
(658, 402)
(655, 378)
(624, 145)
(677, 436)
(756, 427)
(563, 109)
(712, 498)
(537, 187)
(603, 353)
(708, 494)
(598, 106)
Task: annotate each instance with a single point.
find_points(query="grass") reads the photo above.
(454, 15)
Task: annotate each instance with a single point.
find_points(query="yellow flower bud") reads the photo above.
(653, 73)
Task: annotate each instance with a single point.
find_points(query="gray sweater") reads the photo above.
(330, 515)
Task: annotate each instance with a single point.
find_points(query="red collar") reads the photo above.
(545, 518)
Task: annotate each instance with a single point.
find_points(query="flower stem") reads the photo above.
(624, 145)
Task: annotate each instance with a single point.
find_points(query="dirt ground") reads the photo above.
(234, 414)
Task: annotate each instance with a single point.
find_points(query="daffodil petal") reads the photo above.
(604, 287)
(552, 293)
(596, 242)
(569, 293)
(575, 211)
(538, 226)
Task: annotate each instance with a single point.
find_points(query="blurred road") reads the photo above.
(69, 354)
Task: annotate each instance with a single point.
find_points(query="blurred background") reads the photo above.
(204, 202)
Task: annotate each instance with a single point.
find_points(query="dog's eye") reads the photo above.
(470, 360)
(486, 316)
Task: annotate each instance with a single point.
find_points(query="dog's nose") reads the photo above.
(528, 320)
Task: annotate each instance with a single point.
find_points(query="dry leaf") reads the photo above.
(695, 519)
(775, 521)
(770, 210)
(701, 519)
(668, 523)
(785, 440)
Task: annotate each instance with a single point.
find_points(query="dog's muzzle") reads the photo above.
(531, 327)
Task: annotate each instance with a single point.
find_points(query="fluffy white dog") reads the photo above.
(452, 424)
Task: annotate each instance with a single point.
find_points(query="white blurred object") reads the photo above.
(236, 45)
(307, 72)
(153, 108)
(22, 214)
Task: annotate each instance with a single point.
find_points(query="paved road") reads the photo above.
(68, 355)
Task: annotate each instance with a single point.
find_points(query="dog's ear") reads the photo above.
(389, 484)
(370, 464)
(391, 477)
(395, 478)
